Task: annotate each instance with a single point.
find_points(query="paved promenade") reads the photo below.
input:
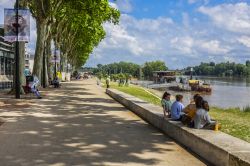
(79, 124)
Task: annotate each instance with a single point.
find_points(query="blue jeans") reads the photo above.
(36, 92)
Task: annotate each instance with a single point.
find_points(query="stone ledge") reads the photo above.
(216, 147)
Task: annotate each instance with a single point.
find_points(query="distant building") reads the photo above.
(6, 62)
(29, 60)
(165, 76)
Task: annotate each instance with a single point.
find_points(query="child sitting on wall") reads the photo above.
(166, 104)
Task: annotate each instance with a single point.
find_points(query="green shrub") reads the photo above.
(246, 109)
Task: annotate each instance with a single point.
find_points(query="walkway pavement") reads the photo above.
(80, 125)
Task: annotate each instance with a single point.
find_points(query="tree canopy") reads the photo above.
(120, 67)
(75, 27)
(149, 67)
(130, 68)
(221, 69)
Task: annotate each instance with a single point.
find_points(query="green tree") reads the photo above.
(222, 69)
(121, 67)
(76, 27)
(248, 63)
(150, 67)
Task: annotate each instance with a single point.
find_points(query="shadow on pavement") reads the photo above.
(75, 126)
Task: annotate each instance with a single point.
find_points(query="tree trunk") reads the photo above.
(63, 62)
(46, 75)
(41, 37)
(48, 58)
(22, 63)
(45, 81)
(21, 69)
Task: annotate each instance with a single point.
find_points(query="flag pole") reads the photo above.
(17, 78)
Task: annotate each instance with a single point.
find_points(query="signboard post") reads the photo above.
(17, 85)
(55, 59)
(16, 28)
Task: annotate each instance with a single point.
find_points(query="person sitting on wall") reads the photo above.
(166, 104)
(190, 111)
(202, 120)
(177, 108)
(33, 86)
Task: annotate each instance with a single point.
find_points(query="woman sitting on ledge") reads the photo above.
(190, 111)
(202, 119)
(166, 104)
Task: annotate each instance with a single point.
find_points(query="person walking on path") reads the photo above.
(108, 81)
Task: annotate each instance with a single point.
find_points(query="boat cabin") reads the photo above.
(165, 76)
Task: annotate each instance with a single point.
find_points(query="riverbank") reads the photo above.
(225, 92)
(233, 121)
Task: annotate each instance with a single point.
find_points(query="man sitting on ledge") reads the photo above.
(177, 108)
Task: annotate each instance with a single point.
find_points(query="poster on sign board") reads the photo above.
(10, 25)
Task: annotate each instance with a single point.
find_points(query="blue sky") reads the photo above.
(179, 32)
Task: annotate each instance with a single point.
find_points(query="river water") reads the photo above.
(226, 92)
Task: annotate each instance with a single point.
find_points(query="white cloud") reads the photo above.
(183, 44)
(151, 25)
(7, 3)
(120, 39)
(139, 40)
(33, 36)
(245, 40)
(185, 19)
(191, 1)
(113, 5)
(195, 1)
(128, 34)
(213, 47)
(124, 5)
(226, 36)
(231, 17)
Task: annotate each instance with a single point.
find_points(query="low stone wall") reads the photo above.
(216, 147)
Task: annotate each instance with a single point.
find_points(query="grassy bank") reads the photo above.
(233, 121)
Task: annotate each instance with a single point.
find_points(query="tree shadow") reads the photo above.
(66, 128)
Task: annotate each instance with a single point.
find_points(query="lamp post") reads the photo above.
(55, 64)
(191, 73)
(17, 81)
(44, 71)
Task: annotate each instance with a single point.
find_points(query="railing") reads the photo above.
(6, 85)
